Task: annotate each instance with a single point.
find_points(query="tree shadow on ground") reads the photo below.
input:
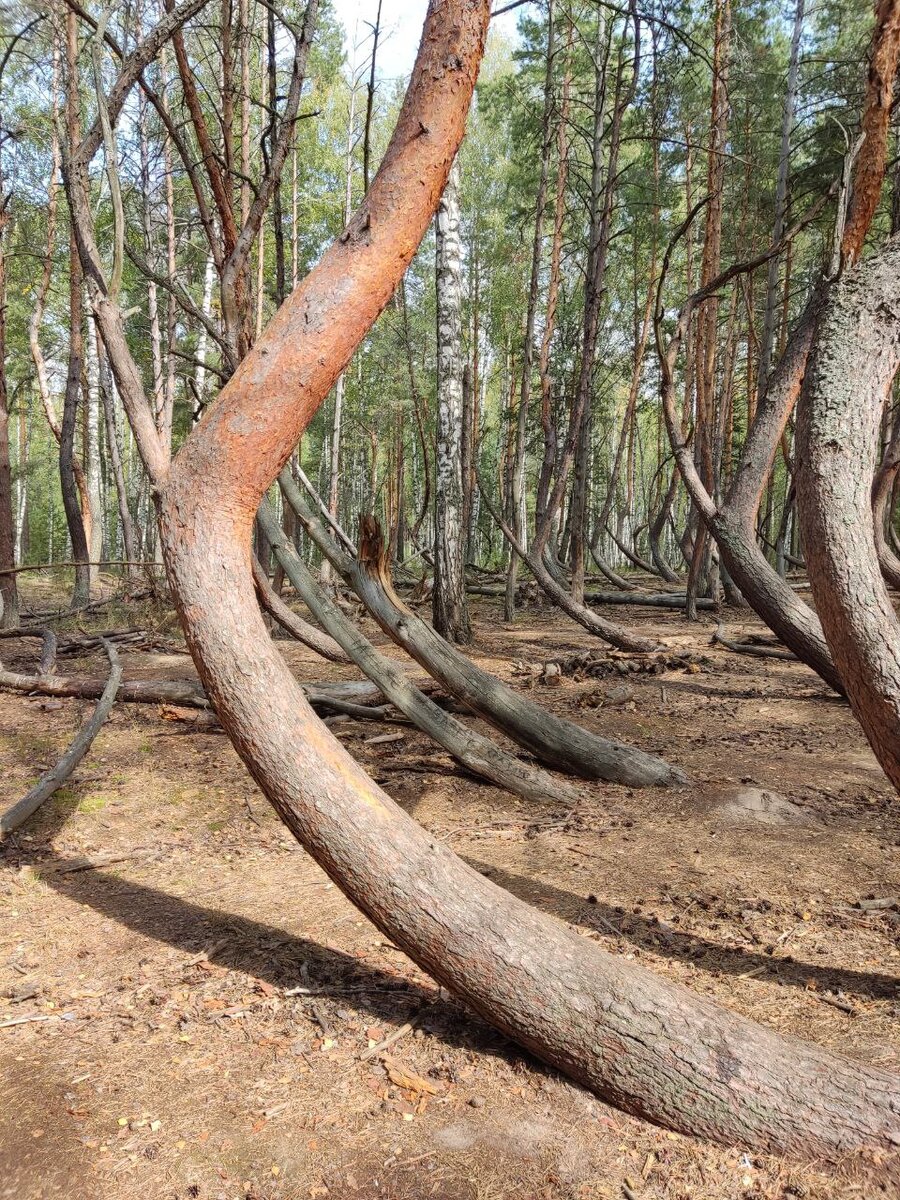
(285, 959)
(710, 956)
(281, 958)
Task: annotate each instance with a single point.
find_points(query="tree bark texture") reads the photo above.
(853, 364)
(450, 612)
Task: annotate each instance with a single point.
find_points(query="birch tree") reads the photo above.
(450, 612)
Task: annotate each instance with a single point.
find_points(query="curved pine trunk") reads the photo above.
(884, 488)
(853, 364)
(649, 1046)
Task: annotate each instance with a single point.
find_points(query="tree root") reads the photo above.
(752, 648)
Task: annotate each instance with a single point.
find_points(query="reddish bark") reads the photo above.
(868, 173)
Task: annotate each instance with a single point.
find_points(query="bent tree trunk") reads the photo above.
(305, 633)
(884, 488)
(478, 754)
(733, 523)
(854, 361)
(54, 779)
(615, 635)
(651, 1047)
(550, 738)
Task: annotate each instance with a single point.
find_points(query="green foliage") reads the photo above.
(390, 387)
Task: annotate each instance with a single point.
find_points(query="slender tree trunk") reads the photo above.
(168, 406)
(707, 318)
(81, 592)
(518, 512)
(277, 216)
(767, 341)
(450, 612)
(334, 475)
(420, 409)
(90, 454)
(9, 595)
(370, 100)
(200, 370)
(22, 540)
(114, 450)
(548, 419)
(577, 447)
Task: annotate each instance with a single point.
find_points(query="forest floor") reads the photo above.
(199, 996)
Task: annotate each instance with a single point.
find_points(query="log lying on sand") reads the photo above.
(53, 780)
(353, 697)
(753, 648)
(674, 600)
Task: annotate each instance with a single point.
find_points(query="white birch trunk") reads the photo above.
(203, 337)
(450, 612)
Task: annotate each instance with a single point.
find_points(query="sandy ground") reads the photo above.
(198, 998)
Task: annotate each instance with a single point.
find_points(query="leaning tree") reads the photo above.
(653, 1048)
(853, 365)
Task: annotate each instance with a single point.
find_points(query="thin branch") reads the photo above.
(183, 297)
(53, 780)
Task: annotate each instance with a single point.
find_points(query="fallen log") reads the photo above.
(53, 780)
(754, 649)
(675, 600)
(85, 687)
(647, 599)
(335, 697)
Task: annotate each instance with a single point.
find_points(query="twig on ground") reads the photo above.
(408, 1027)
